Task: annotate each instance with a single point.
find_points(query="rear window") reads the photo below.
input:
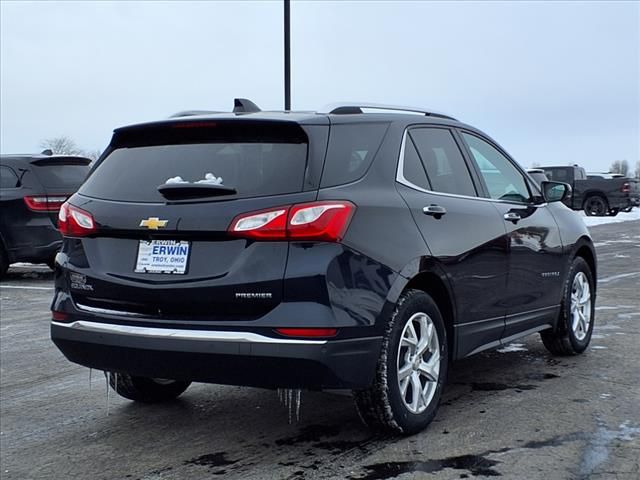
(253, 169)
(61, 176)
(351, 150)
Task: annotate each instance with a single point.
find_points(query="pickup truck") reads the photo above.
(596, 196)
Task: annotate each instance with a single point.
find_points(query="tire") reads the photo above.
(146, 390)
(4, 261)
(577, 315)
(51, 263)
(596, 206)
(383, 406)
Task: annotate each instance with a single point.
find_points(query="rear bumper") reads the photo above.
(224, 357)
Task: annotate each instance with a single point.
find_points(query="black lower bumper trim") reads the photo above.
(334, 364)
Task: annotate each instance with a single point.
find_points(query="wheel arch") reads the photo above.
(435, 283)
(584, 249)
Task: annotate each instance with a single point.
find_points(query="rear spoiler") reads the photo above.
(43, 162)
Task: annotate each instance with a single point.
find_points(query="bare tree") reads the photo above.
(92, 154)
(535, 165)
(619, 166)
(638, 169)
(62, 145)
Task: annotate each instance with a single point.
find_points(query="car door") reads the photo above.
(536, 265)
(464, 233)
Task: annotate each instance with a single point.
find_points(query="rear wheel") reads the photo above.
(51, 263)
(595, 206)
(575, 325)
(146, 390)
(4, 261)
(411, 370)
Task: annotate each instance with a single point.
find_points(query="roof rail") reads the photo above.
(348, 108)
(243, 105)
(191, 113)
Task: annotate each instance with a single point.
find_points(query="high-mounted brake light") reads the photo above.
(308, 332)
(45, 203)
(626, 187)
(75, 222)
(325, 221)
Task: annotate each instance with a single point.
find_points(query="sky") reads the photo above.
(552, 82)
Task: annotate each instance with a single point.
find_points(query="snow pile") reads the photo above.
(209, 179)
(174, 180)
(621, 217)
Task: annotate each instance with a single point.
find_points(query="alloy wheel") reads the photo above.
(580, 306)
(418, 362)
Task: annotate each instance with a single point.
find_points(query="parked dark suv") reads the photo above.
(32, 189)
(339, 250)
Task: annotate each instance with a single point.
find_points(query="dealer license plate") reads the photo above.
(162, 256)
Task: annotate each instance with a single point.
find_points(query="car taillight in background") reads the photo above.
(45, 203)
(626, 187)
(325, 221)
(75, 222)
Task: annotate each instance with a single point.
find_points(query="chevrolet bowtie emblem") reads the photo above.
(153, 223)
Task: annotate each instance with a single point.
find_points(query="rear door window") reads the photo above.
(446, 168)
(254, 169)
(351, 151)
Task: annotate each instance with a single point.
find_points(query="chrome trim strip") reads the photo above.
(401, 179)
(106, 311)
(178, 334)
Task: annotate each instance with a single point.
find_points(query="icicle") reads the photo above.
(90, 372)
(289, 402)
(298, 402)
(106, 376)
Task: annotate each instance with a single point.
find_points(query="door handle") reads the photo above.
(434, 210)
(512, 217)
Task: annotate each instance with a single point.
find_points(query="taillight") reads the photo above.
(325, 221)
(44, 203)
(308, 332)
(75, 222)
(626, 187)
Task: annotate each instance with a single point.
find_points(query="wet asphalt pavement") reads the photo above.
(520, 413)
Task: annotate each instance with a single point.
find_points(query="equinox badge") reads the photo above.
(153, 223)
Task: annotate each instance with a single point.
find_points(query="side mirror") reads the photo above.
(555, 191)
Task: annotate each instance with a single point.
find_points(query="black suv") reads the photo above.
(32, 189)
(339, 250)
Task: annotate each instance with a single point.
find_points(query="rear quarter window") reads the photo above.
(352, 148)
(8, 178)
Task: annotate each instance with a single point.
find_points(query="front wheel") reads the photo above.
(575, 324)
(146, 390)
(411, 370)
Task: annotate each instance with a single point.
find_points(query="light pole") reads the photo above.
(287, 57)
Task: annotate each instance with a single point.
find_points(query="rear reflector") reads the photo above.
(325, 221)
(59, 316)
(75, 222)
(45, 203)
(308, 332)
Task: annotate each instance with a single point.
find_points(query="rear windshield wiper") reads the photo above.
(185, 191)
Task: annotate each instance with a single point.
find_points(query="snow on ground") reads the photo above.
(621, 217)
